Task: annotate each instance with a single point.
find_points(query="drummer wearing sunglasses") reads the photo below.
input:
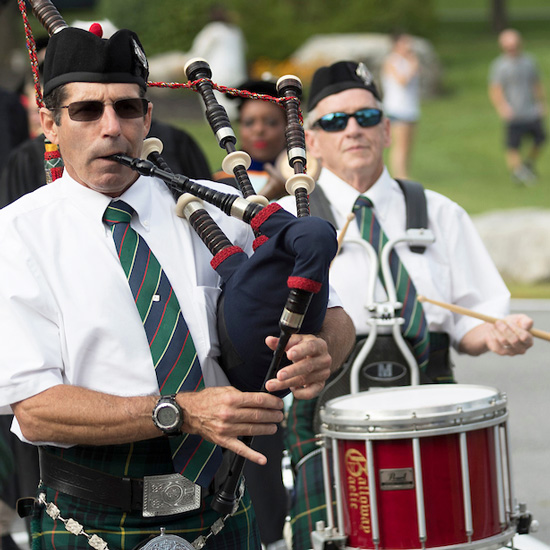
(350, 140)
(347, 131)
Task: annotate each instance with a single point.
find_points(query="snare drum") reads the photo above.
(419, 467)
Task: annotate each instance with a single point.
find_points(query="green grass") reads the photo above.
(203, 134)
(539, 291)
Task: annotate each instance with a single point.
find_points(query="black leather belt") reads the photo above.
(95, 486)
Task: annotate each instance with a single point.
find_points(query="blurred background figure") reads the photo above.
(401, 88)
(261, 126)
(221, 42)
(14, 128)
(516, 92)
(7, 513)
(19, 477)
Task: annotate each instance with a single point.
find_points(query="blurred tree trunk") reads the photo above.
(499, 15)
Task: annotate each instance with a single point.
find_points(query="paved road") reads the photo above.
(526, 381)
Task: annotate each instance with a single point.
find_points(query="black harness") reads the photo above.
(415, 201)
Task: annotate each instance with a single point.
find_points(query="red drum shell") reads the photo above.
(437, 417)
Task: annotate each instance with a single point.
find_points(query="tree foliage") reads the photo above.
(272, 29)
(162, 25)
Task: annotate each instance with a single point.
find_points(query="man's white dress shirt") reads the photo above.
(67, 314)
(456, 268)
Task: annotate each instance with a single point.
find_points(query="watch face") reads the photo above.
(167, 416)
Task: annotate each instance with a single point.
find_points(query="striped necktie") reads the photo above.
(173, 352)
(415, 328)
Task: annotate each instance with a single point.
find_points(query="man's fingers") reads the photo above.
(308, 391)
(509, 338)
(510, 333)
(240, 448)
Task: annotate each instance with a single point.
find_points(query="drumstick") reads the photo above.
(274, 173)
(342, 234)
(344, 230)
(487, 318)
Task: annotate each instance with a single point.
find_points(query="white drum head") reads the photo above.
(413, 407)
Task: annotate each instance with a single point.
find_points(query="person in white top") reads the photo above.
(75, 365)
(400, 77)
(222, 43)
(348, 132)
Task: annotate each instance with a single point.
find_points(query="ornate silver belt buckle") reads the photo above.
(169, 494)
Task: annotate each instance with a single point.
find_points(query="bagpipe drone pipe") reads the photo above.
(281, 288)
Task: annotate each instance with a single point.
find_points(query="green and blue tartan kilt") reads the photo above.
(126, 530)
(309, 504)
(300, 436)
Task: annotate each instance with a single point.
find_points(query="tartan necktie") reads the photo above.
(415, 327)
(173, 352)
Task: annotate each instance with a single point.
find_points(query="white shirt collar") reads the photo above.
(94, 204)
(89, 202)
(139, 197)
(342, 196)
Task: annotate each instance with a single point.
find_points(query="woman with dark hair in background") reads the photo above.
(261, 135)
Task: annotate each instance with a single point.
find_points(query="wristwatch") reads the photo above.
(168, 415)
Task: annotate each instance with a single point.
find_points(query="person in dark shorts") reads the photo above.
(516, 92)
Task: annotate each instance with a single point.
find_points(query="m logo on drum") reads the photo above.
(384, 371)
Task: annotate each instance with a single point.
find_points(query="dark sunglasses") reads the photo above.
(335, 122)
(87, 111)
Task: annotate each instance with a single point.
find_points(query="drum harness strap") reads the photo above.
(415, 201)
(439, 369)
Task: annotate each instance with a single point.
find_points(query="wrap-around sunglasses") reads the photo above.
(335, 122)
